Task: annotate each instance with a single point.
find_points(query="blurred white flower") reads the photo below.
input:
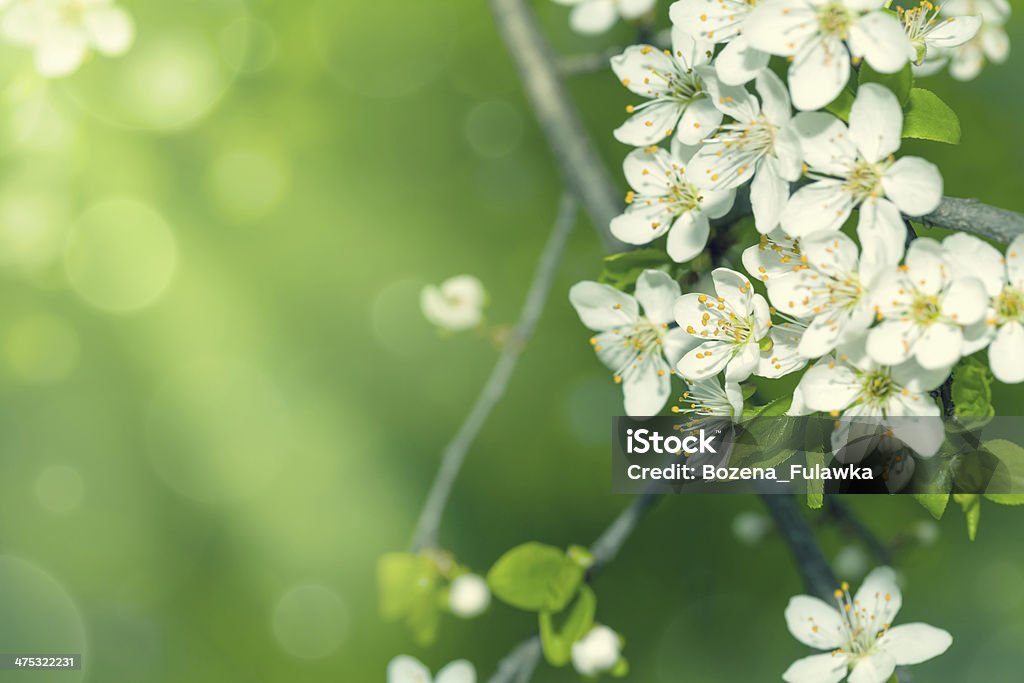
(596, 652)
(927, 532)
(468, 596)
(851, 561)
(639, 348)
(456, 305)
(406, 669)
(989, 43)
(63, 32)
(751, 527)
(597, 16)
(721, 21)
(859, 633)
(663, 200)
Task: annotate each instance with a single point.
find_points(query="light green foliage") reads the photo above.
(1010, 474)
(926, 117)
(535, 577)
(972, 391)
(622, 270)
(408, 589)
(579, 618)
(934, 503)
(971, 505)
(816, 487)
(900, 83)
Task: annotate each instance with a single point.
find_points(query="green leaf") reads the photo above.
(535, 577)
(971, 504)
(841, 105)
(1010, 474)
(815, 487)
(775, 408)
(557, 643)
(622, 270)
(926, 117)
(972, 391)
(935, 503)
(408, 587)
(900, 83)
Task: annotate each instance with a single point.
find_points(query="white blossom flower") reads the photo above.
(780, 350)
(721, 21)
(989, 44)
(456, 305)
(468, 596)
(597, 16)
(854, 168)
(677, 99)
(760, 146)
(859, 633)
(638, 347)
(709, 398)
(931, 33)
(830, 287)
(728, 327)
(854, 387)
(816, 33)
(406, 669)
(774, 257)
(597, 652)
(664, 200)
(923, 306)
(1003, 323)
(62, 32)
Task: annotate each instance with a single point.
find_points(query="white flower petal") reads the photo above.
(700, 120)
(649, 125)
(647, 171)
(738, 63)
(1015, 262)
(774, 98)
(768, 196)
(705, 361)
(939, 347)
(892, 341)
(60, 51)
(829, 386)
(953, 32)
(593, 16)
(822, 205)
(636, 67)
(915, 185)
(815, 623)
(459, 671)
(875, 668)
(110, 29)
(642, 224)
(602, 307)
(928, 265)
(710, 20)
(646, 385)
(876, 122)
(996, 44)
(735, 288)
(780, 27)
(406, 669)
(915, 643)
(688, 236)
(965, 301)
(977, 259)
(882, 232)
(634, 9)
(818, 75)
(826, 668)
(657, 292)
(879, 38)
(826, 142)
(677, 343)
(1006, 354)
(743, 363)
(880, 595)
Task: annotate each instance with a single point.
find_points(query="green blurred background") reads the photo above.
(220, 403)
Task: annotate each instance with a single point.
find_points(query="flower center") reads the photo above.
(641, 341)
(918, 22)
(925, 308)
(720, 321)
(865, 180)
(861, 623)
(877, 387)
(834, 19)
(1009, 305)
(706, 397)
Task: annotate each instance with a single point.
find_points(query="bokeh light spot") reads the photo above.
(32, 227)
(121, 255)
(310, 621)
(246, 183)
(248, 45)
(59, 489)
(494, 129)
(41, 348)
(218, 431)
(39, 616)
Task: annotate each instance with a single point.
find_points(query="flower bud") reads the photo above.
(596, 652)
(468, 596)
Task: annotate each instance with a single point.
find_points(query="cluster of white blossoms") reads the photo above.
(938, 40)
(62, 33)
(859, 634)
(874, 323)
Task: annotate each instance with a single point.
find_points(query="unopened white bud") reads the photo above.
(596, 652)
(750, 527)
(468, 596)
(927, 532)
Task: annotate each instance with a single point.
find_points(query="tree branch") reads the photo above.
(817, 575)
(455, 452)
(578, 160)
(518, 665)
(970, 215)
(846, 518)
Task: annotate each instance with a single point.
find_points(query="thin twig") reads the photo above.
(518, 665)
(846, 518)
(970, 215)
(455, 452)
(817, 575)
(578, 160)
